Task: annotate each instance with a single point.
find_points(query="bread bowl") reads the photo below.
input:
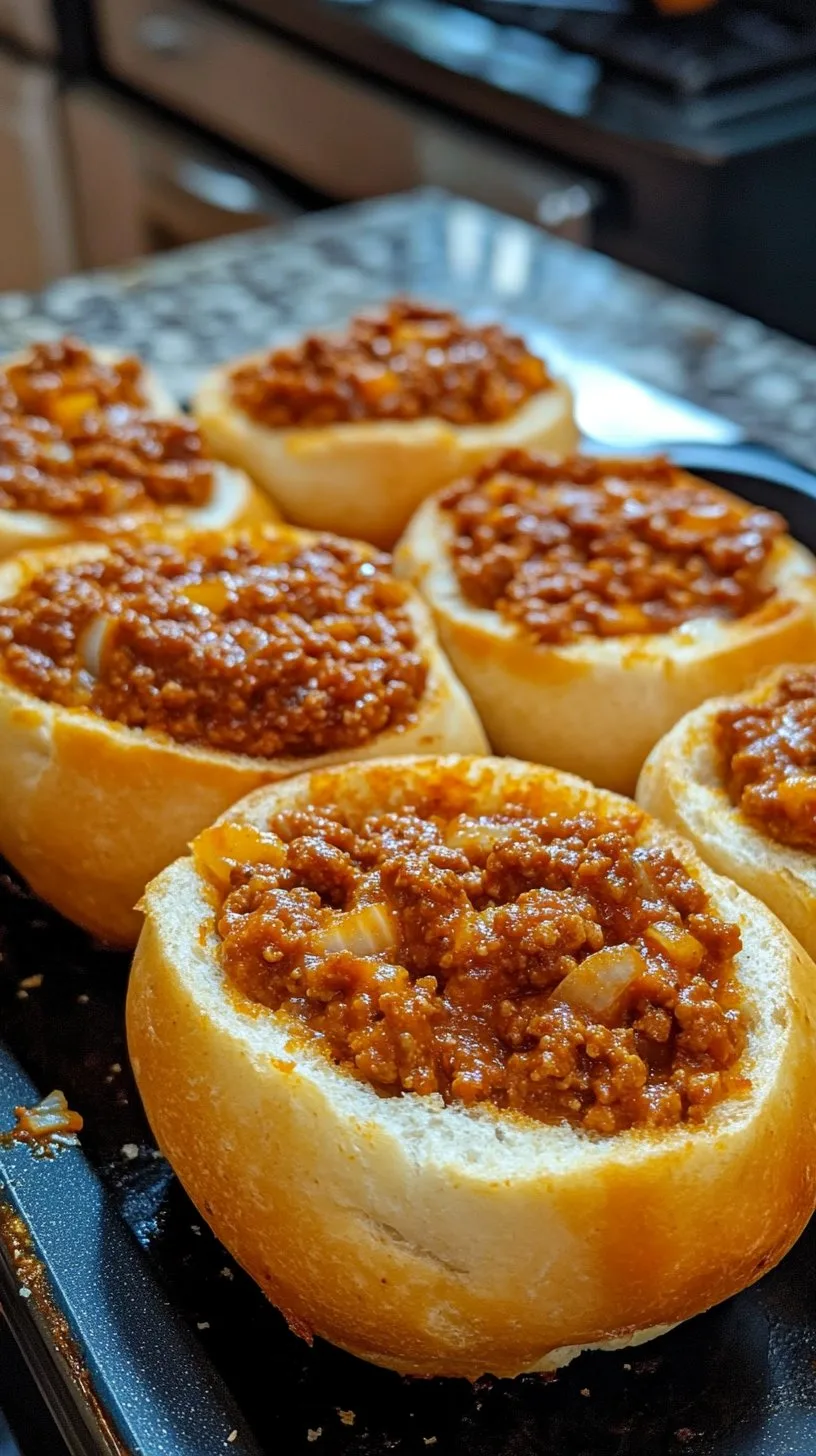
(737, 777)
(434, 1230)
(147, 684)
(588, 604)
(348, 432)
(62, 379)
(90, 444)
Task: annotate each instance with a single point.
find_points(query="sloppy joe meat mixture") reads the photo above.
(587, 547)
(768, 751)
(261, 648)
(61, 380)
(114, 461)
(75, 439)
(406, 362)
(551, 967)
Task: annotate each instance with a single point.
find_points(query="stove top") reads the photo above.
(689, 55)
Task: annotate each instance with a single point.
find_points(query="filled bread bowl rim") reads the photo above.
(682, 784)
(367, 477)
(234, 502)
(439, 1240)
(542, 701)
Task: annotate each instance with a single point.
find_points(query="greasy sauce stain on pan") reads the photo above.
(33, 1285)
(737, 1382)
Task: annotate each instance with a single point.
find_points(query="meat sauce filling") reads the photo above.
(406, 362)
(112, 461)
(586, 547)
(61, 380)
(75, 439)
(769, 756)
(554, 968)
(256, 647)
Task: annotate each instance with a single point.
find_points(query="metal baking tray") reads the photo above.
(144, 1336)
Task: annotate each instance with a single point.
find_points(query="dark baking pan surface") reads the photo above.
(150, 1326)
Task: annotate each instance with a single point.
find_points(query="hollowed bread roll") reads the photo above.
(348, 432)
(62, 379)
(588, 604)
(91, 445)
(738, 778)
(359, 1018)
(146, 685)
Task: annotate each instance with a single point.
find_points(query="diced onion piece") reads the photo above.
(475, 836)
(377, 384)
(49, 1117)
(69, 409)
(92, 643)
(797, 793)
(369, 931)
(599, 982)
(532, 372)
(223, 846)
(212, 594)
(682, 948)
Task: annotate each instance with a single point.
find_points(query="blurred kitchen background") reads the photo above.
(675, 135)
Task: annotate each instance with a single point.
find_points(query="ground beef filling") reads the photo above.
(553, 968)
(253, 648)
(595, 548)
(62, 380)
(405, 362)
(768, 752)
(110, 462)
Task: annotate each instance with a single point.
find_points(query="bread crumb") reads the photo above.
(226, 1273)
(314, 1435)
(196, 1228)
(626, 1365)
(233, 1436)
(32, 983)
(130, 1151)
(24, 1292)
(429, 1440)
(83, 999)
(202, 1324)
(586, 1391)
(347, 1417)
(116, 1067)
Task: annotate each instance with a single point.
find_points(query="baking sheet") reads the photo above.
(740, 1381)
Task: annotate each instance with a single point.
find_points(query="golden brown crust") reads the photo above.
(596, 707)
(437, 1240)
(682, 784)
(91, 810)
(366, 479)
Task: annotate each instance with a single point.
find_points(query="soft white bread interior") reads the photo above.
(682, 783)
(366, 479)
(91, 810)
(443, 1241)
(596, 706)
